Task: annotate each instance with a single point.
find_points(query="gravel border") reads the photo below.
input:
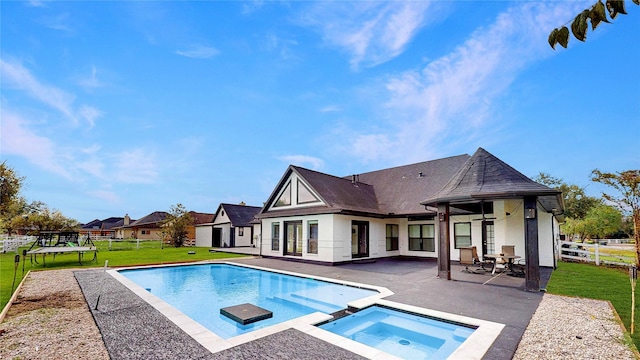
(574, 328)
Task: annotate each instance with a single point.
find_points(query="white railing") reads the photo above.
(595, 253)
(12, 243)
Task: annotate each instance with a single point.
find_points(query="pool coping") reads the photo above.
(474, 347)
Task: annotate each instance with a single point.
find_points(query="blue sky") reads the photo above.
(122, 107)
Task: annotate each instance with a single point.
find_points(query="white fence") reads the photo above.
(12, 243)
(595, 253)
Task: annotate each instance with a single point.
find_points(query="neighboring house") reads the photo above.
(231, 227)
(198, 219)
(429, 209)
(146, 228)
(106, 227)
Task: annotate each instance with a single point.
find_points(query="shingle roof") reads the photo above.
(152, 219)
(240, 215)
(105, 224)
(201, 218)
(393, 191)
(485, 177)
(399, 190)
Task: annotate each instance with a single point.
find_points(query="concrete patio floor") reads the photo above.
(133, 329)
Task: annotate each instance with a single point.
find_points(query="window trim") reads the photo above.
(275, 236)
(310, 239)
(391, 240)
(423, 239)
(457, 237)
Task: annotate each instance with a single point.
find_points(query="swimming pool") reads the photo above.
(406, 335)
(200, 291)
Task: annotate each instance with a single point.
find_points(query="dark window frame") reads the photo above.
(457, 237)
(424, 241)
(312, 243)
(393, 242)
(275, 236)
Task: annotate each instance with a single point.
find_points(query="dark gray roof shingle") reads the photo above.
(240, 215)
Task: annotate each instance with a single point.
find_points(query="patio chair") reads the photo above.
(469, 256)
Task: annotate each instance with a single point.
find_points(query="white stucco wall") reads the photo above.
(204, 235)
(245, 238)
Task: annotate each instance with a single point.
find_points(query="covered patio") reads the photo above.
(481, 183)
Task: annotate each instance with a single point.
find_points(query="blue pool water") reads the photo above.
(406, 335)
(200, 291)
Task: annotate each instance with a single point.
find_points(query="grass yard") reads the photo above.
(122, 254)
(598, 282)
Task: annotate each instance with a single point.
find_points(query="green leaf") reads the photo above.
(552, 38)
(637, 2)
(615, 7)
(598, 14)
(563, 37)
(580, 25)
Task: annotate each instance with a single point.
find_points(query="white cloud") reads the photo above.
(136, 166)
(106, 196)
(198, 52)
(13, 73)
(90, 114)
(457, 93)
(331, 108)
(91, 81)
(315, 163)
(371, 32)
(16, 75)
(17, 139)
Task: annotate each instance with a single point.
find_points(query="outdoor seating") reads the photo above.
(469, 256)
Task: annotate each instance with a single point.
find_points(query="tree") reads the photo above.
(11, 203)
(627, 184)
(596, 14)
(576, 203)
(176, 224)
(601, 221)
(40, 218)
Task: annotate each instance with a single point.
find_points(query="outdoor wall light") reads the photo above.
(529, 213)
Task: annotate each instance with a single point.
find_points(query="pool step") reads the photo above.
(317, 305)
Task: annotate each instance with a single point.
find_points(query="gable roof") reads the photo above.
(387, 192)
(239, 215)
(485, 177)
(152, 219)
(201, 218)
(106, 224)
(400, 189)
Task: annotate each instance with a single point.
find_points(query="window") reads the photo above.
(240, 231)
(275, 236)
(146, 232)
(422, 237)
(285, 197)
(305, 195)
(392, 237)
(462, 234)
(312, 244)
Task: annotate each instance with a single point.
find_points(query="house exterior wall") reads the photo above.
(246, 238)
(204, 235)
(257, 235)
(334, 234)
(226, 234)
(221, 217)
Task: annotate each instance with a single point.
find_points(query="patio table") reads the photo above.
(494, 259)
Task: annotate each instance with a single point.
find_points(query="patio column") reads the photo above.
(532, 273)
(444, 250)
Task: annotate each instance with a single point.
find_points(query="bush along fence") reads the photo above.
(596, 253)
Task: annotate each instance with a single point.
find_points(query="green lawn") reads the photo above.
(122, 254)
(598, 282)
